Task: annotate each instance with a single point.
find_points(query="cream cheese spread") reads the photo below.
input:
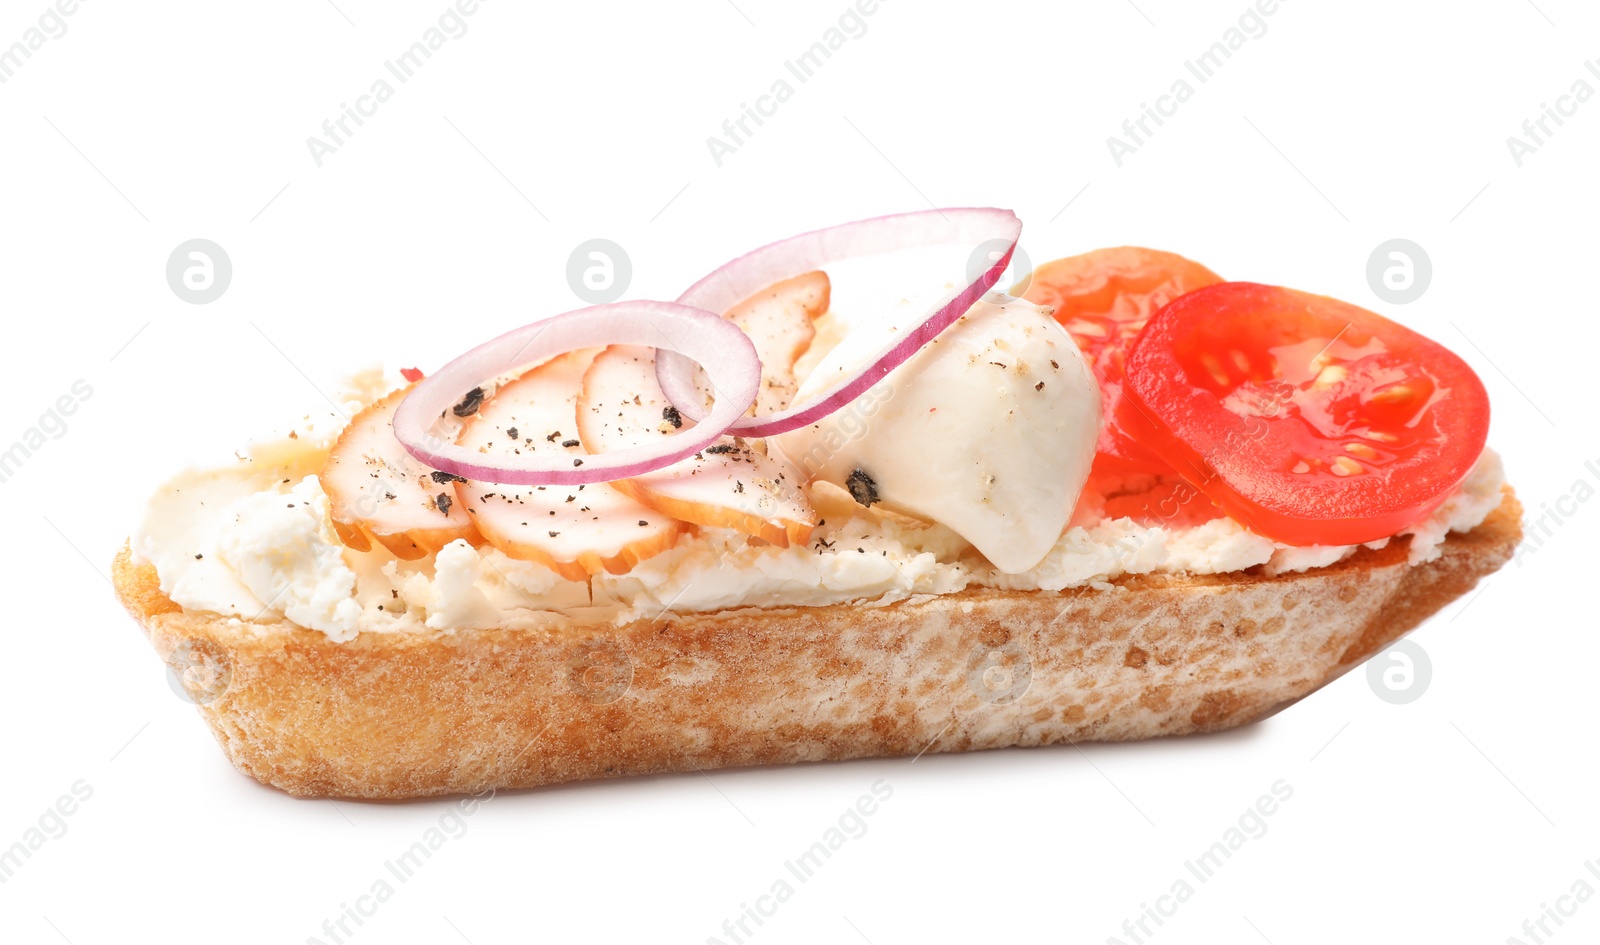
(253, 541)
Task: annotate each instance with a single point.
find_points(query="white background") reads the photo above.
(1450, 819)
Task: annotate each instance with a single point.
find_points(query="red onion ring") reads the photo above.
(785, 259)
(726, 353)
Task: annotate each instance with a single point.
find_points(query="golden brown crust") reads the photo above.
(407, 715)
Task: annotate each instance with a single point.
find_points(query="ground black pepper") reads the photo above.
(469, 404)
(861, 487)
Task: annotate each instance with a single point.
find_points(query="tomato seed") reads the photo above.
(1329, 376)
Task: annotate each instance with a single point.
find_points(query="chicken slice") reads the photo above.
(576, 531)
(378, 493)
(726, 485)
(780, 320)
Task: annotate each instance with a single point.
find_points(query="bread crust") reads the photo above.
(417, 714)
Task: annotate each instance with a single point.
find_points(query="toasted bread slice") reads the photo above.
(395, 716)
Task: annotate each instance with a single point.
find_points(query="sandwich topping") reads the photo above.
(750, 446)
(989, 430)
(262, 560)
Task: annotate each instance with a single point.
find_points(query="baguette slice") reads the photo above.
(396, 716)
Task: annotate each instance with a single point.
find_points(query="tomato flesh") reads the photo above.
(1311, 421)
(1103, 299)
(1159, 501)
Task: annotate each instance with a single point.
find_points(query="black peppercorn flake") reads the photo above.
(861, 487)
(469, 404)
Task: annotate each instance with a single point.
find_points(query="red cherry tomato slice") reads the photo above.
(1103, 299)
(1310, 420)
(1167, 502)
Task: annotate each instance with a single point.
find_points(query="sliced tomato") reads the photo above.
(1164, 501)
(1310, 420)
(1103, 299)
